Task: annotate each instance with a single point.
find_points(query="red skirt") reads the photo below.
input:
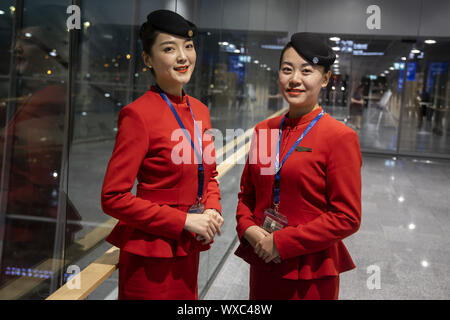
(264, 286)
(148, 278)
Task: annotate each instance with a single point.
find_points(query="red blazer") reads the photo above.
(151, 222)
(320, 194)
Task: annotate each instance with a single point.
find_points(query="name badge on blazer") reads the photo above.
(303, 149)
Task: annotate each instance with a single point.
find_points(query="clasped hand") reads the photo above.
(263, 244)
(205, 225)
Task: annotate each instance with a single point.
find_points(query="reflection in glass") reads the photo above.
(31, 148)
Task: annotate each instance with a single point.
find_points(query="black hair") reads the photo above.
(148, 35)
(289, 45)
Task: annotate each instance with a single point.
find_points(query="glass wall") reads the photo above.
(61, 93)
(394, 91)
(34, 95)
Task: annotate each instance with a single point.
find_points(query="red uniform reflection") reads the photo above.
(36, 137)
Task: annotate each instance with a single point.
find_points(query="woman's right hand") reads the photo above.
(254, 234)
(204, 225)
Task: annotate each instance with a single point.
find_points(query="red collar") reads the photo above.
(175, 99)
(294, 123)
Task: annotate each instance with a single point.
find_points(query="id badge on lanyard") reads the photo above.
(272, 219)
(198, 207)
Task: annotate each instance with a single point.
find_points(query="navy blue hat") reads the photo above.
(171, 22)
(312, 48)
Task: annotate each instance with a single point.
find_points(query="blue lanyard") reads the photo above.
(199, 153)
(278, 166)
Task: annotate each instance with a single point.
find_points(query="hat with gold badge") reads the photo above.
(312, 48)
(171, 22)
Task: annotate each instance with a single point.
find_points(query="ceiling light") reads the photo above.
(415, 51)
(403, 58)
(336, 49)
(335, 39)
(430, 41)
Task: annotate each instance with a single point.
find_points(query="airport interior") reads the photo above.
(68, 85)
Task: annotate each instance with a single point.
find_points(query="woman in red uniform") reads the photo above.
(299, 202)
(161, 230)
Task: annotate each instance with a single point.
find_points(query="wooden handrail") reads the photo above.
(101, 269)
(90, 278)
(17, 288)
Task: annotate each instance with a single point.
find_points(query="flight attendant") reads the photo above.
(175, 213)
(297, 203)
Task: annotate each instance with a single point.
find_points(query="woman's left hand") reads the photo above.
(216, 215)
(266, 249)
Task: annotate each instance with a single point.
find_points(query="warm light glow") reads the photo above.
(335, 39)
(87, 24)
(430, 41)
(49, 71)
(336, 49)
(403, 58)
(415, 51)
(128, 56)
(12, 8)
